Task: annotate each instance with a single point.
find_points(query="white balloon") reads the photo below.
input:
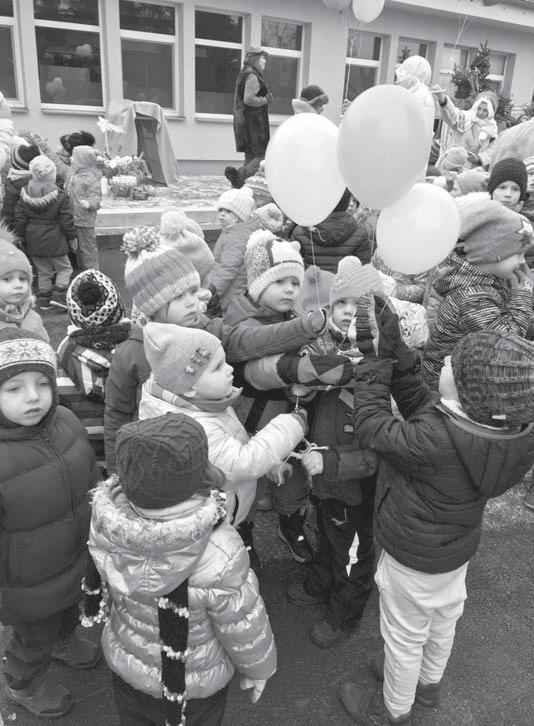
(419, 230)
(367, 10)
(301, 168)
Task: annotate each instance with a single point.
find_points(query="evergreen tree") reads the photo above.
(480, 68)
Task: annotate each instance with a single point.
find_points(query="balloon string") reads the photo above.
(314, 272)
(352, 37)
(460, 33)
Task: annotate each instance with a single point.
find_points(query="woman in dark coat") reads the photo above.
(251, 118)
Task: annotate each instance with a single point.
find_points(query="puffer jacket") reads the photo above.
(46, 472)
(437, 470)
(229, 276)
(241, 458)
(16, 179)
(337, 236)
(472, 300)
(228, 624)
(84, 185)
(44, 223)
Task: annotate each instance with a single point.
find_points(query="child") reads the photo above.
(186, 611)
(508, 183)
(98, 326)
(85, 192)
(312, 99)
(439, 466)
(43, 220)
(483, 285)
(46, 469)
(341, 572)
(16, 300)
(528, 206)
(469, 182)
(17, 177)
(190, 375)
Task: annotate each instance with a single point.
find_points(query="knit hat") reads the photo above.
(529, 163)
(77, 138)
(11, 258)
(23, 154)
(268, 259)
(176, 231)
(271, 217)
(238, 201)
(353, 279)
(93, 300)
(314, 95)
(43, 169)
(494, 377)
(453, 159)
(509, 169)
(178, 356)
(472, 181)
(491, 232)
(154, 275)
(315, 290)
(260, 189)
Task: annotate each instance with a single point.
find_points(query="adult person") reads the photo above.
(415, 74)
(312, 99)
(251, 117)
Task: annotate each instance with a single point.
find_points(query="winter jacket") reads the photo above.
(337, 236)
(242, 459)
(229, 276)
(46, 472)
(251, 122)
(12, 189)
(464, 128)
(144, 559)
(84, 185)
(407, 287)
(472, 300)
(437, 469)
(44, 223)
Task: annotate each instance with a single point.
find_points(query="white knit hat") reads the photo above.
(354, 280)
(268, 259)
(238, 201)
(42, 168)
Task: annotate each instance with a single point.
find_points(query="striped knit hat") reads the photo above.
(268, 259)
(154, 274)
(494, 377)
(22, 155)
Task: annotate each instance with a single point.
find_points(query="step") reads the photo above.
(117, 220)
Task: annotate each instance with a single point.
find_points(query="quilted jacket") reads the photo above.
(44, 223)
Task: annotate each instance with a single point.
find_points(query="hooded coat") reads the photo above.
(44, 222)
(337, 236)
(144, 559)
(84, 185)
(464, 128)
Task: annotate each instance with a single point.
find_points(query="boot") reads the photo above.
(425, 695)
(43, 698)
(77, 652)
(59, 297)
(367, 706)
(297, 594)
(43, 300)
(232, 175)
(290, 531)
(328, 636)
(245, 532)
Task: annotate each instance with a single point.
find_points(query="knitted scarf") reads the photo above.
(15, 314)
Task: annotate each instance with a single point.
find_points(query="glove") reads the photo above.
(73, 245)
(315, 370)
(257, 687)
(521, 281)
(313, 462)
(390, 343)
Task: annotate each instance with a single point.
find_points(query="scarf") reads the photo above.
(15, 314)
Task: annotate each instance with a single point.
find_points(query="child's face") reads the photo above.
(504, 269)
(507, 193)
(14, 287)
(26, 398)
(281, 295)
(482, 111)
(216, 381)
(183, 310)
(343, 312)
(530, 171)
(227, 218)
(447, 386)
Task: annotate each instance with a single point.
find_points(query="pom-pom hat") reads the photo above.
(43, 169)
(268, 259)
(177, 230)
(22, 155)
(354, 280)
(238, 201)
(11, 258)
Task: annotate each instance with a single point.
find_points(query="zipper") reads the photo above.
(48, 441)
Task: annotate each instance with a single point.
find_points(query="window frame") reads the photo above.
(364, 62)
(12, 22)
(420, 41)
(287, 53)
(84, 28)
(498, 77)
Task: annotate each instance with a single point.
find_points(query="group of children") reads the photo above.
(198, 421)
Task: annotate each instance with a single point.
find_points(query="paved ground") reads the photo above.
(189, 191)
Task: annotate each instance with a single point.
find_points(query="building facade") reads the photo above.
(62, 61)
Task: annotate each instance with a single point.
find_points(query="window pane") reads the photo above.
(408, 48)
(275, 34)
(6, 8)
(281, 76)
(497, 64)
(357, 80)
(147, 72)
(146, 17)
(454, 56)
(216, 71)
(69, 66)
(7, 65)
(70, 11)
(362, 45)
(216, 26)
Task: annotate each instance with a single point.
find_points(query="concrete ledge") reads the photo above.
(119, 219)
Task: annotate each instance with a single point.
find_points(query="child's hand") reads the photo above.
(84, 204)
(257, 687)
(439, 92)
(317, 320)
(313, 462)
(521, 281)
(73, 245)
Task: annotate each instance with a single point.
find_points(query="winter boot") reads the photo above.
(232, 175)
(245, 532)
(43, 300)
(367, 706)
(59, 297)
(43, 698)
(77, 652)
(328, 636)
(297, 594)
(291, 531)
(425, 695)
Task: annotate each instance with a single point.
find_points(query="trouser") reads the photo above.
(292, 495)
(87, 248)
(29, 647)
(139, 709)
(343, 566)
(250, 165)
(50, 267)
(418, 616)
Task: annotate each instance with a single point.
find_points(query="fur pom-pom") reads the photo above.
(140, 239)
(7, 235)
(261, 237)
(173, 224)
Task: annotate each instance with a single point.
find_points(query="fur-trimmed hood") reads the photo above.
(32, 198)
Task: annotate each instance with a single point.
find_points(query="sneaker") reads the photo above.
(529, 497)
(367, 706)
(290, 531)
(425, 695)
(264, 503)
(297, 594)
(77, 652)
(327, 636)
(245, 532)
(45, 699)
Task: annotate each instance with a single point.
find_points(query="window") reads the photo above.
(218, 59)
(9, 83)
(409, 47)
(283, 42)
(460, 57)
(68, 52)
(148, 39)
(362, 63)
(497, 71)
